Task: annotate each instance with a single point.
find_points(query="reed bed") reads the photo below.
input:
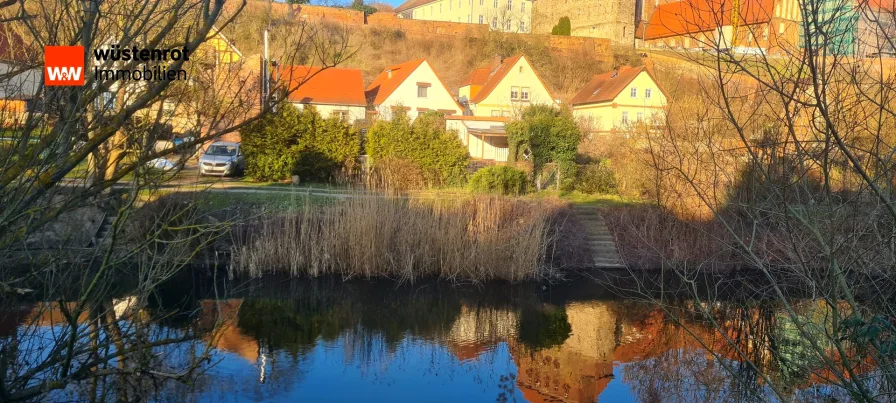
(475, 239)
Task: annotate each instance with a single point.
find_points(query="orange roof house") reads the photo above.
(413, 86)
(502, 89)
(618, 99)
(332, 91)
(755, 25)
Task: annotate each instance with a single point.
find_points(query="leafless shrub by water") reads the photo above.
(477, 239)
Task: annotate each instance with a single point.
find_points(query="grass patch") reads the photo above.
(576, 197)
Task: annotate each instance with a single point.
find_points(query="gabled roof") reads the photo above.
(607, 86)
(330, 86)
(412, 4)
(477, 77)
(384, 85)
(694, 16)
(495, 76)
(12, 46)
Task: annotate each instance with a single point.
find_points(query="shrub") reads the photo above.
(563, 27)
(596, 178)
(298, 142)
(499, 179)
(425, 143)
(550, 135)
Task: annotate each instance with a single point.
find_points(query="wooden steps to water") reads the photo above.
(598, 238)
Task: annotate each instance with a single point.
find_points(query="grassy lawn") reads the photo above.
(213, 201)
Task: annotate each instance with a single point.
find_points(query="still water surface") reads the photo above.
(327, 340)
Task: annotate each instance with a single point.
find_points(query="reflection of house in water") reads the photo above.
(478, 329)
(228, 337)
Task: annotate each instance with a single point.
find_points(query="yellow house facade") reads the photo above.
(619, 100)
(500, 15)
(503, 90)
(491, 96)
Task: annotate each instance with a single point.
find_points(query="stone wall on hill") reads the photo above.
(613, 20)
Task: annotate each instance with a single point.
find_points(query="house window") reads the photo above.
(514, 93)
(647, 93)
(507, 26)
(496, 113)
(509, 5)
(481, 19)
(525, 94)
(634, 93)
(625, 118)
(505, 114)
(481, 1)
(341, 114)
(522, 26)
(422, 91)
(494, 22)
(639, 116)
(523, 6)
(496, 3)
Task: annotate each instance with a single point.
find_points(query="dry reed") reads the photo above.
(476, 239)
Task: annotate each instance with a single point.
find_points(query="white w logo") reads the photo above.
(64, 73)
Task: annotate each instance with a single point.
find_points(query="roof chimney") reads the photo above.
(389, 72)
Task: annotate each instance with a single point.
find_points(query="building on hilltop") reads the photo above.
(500, 15)
(620, 99)
(333, 91)
(412, 86)
(613, 20)
(847, 28)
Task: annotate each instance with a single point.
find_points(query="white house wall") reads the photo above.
(438, 97)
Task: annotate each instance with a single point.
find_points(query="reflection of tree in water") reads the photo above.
(544, 328)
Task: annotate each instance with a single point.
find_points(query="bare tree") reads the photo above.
(786, 149)
(75, 160)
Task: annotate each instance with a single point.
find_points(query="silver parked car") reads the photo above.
(222, 158)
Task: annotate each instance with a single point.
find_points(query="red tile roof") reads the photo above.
(477, 77)
(12, 47)
(384, 85)
(330, 86)
(882, 5)
(693, 16)
(412, 4)
(607, 86)
(494, 78)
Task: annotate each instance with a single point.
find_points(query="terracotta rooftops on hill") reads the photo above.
(330, 86)
(693, 16)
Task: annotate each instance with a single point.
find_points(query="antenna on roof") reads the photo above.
(615, 73)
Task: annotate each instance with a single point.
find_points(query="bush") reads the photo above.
(596, 178)
(298, 142)
(499, 179)
(563, 27)
(435, 151)
(550, 135)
